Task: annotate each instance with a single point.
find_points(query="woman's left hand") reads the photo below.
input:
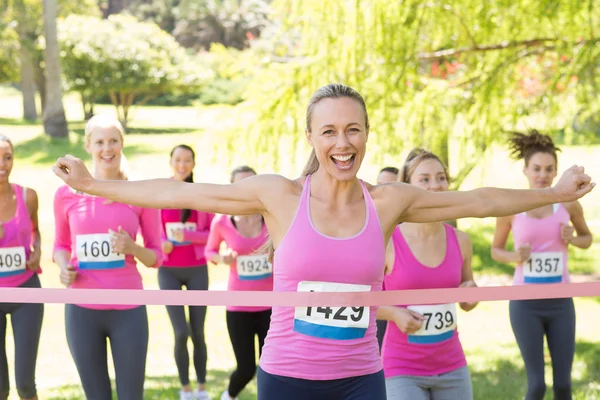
(34, 260)
(468, 306)
(121, 242)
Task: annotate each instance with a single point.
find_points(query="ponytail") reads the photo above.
(312, 165)
(186, 213)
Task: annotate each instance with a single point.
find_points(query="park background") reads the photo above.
(232, 77)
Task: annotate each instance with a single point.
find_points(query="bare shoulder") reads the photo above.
(573, 207)
(464, 240)
(389, 191)
(32, 197)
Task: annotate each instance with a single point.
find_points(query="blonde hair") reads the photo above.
(413, 160)
(106, 121)
(331, 91)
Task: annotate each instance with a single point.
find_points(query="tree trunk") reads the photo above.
(55, 122)
(28, 88)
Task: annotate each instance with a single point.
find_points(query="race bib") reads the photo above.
(254, 267)
(94, 251)
(439, 324)
(337, 323)
(171, 227)
(543, 268)
(12, 261)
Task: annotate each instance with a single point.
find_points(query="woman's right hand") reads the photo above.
(228, 258)
(407, 321)
(523, 253)
(67, 275)
(167, 247)
(74, 172)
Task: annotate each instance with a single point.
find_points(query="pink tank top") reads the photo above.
(324, 343)
(249, 271)
(436, 348)
(549, 254)
(15, 245)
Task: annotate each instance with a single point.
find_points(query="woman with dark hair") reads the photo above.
(243, 236)
(330, 230)
(20, 251)
(184, 236)
(541, 240)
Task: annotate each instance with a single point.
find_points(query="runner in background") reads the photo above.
(541, 240)
(386, 175)
(243, 235)
(330, 231)
(20, 252)
(184, 235)
(422, 355)
(95, 248)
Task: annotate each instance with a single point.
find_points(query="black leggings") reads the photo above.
(365, 387)
(127, 330)
(243, 327)
(193, 278)
(26, 320)
(555, 318)
(381, 327)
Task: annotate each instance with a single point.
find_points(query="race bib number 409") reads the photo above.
(439, 324)
(543, 268)
(94, 251)
(12, 261)
(338, 323)
(253, 267)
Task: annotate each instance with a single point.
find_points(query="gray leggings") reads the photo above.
(554, 318)
(127, 330)
(453, 385)
(26, 320)
(193, 278)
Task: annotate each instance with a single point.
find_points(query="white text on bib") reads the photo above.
(12, 261)
(253, 267)
(94, 251)
(171, 227)
(338, 323)
(439, 324)
(544, 267)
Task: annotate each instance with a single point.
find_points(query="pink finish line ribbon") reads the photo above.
(296, 299)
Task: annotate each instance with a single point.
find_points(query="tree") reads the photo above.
(128, 59)
(392, 52)
(55, 122)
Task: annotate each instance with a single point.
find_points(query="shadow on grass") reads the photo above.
(163, 387)
(503, 379)
(79, 129)
(19, 122)
(44, 150)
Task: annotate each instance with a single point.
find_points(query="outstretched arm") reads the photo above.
(240, 198)
(423, 206)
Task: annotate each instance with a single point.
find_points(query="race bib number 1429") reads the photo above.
(338, 323)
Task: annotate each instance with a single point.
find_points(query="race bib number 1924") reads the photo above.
(338, 323)
(253, 267)
(94, 251)
(12, 261)
(439, 324)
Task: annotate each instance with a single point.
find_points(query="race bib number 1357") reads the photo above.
(338, 323)
(544, 267)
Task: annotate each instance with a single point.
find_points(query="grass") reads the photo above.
(496, 367)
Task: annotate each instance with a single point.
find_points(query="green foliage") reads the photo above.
(125, 58)
(9, 55)
(451, 77)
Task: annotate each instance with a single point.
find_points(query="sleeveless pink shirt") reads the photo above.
(436, 350)
(15, 245)
(549, 254)
(325, 343)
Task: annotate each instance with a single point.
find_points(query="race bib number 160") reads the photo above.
(338, 323)
(94, 251)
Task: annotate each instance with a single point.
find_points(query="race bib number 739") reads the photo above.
(338, 323)
(439, 324)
